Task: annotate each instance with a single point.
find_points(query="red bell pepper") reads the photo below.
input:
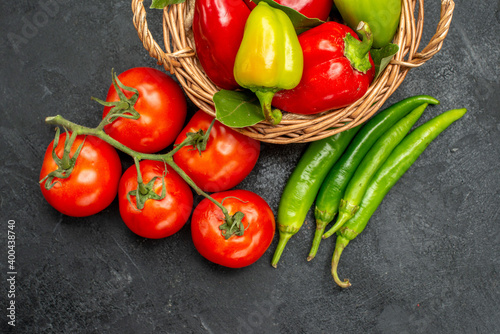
(338, 70)
(217, 31)
(319, 9)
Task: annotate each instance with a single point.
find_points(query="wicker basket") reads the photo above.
(180, 60)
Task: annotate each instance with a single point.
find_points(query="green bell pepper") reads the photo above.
(381, 15)
(269, 58)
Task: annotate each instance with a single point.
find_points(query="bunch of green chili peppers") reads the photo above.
(350, 173)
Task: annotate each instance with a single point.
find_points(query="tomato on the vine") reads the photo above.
(228, 158)
(238, 250)
(161, 105)
(92, 184)
(159, 218)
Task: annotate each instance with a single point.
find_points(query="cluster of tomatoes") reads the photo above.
(95, 178)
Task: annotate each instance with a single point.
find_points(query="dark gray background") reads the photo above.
(428, 262)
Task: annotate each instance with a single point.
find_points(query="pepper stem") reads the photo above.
(358, 51)
(346, 212)
(265, 97)
(339, 247)
(284, 237)
(320, 228)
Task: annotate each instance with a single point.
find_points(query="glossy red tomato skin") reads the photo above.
(229, 156)
(161, 104)
(319, 9)
(237, 251)
(159, 218)
(93, 183)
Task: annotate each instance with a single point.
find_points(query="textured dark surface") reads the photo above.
(428, 262)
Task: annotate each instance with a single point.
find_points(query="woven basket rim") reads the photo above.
(179, 58)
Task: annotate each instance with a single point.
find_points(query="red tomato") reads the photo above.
(159, 218)
(237, 251)
(162, 107)
(93, 183)
(228, 158)
(319, 9)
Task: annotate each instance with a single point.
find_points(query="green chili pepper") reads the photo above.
(375, 157)
(304, 182)
(269, 58)
(382, 16)
(332, 189)
(398, 162)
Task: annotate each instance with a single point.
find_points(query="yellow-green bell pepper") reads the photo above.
(269, 58)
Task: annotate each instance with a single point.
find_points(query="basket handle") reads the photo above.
(168, 60)
(436, 42)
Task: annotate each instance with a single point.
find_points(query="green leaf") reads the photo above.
(160, 4)
(237, 109)
(381, 57)
(300, 22)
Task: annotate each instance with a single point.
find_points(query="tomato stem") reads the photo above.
(142, 188)
(66, 163)
(233, 226)
(124, 107)
(137, 156)
(66, 159)
(197, 139)
(189, 181)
